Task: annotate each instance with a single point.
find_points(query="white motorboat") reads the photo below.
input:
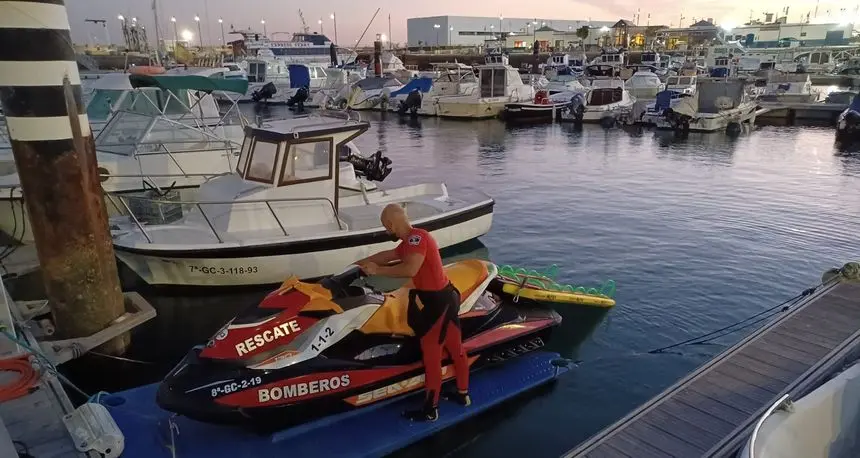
(822, 424)
(716, 106)
(644, 85)
(280, 214)
(113, 92)
(308, 48)
(234, 70)
(659, 63)
(682, 84)
(454, 79)
(499, 84)
(373, 92)
(608, 98)
(274, 81)
(145, 149)
(786, 87)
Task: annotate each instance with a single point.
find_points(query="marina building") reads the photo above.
(475, 31)
(798, 34)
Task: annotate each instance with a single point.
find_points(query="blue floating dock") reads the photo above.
(369, 432)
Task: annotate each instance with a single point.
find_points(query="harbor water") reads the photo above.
(698, 232)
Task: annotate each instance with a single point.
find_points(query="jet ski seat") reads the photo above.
(390, 318)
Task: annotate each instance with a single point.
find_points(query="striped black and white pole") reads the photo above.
(56, 163)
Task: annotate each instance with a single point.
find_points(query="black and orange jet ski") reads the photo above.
(315, 349)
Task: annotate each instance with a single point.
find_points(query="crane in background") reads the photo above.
(103, 22)
(305, 28)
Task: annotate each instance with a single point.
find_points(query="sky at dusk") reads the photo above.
(353, 15)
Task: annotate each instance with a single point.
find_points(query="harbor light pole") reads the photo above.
(436, 26)
(450, 30)
(221, 23)
(175, 36)
(263, 21)
(319, 21)
(334, 18)
(199, 31)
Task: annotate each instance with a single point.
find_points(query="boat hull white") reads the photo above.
(712, 122)
(471, 109)
(270, 264)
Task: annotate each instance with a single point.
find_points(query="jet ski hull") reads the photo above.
(223, 393)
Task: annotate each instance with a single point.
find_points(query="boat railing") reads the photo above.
(124, 206)
(783, 403)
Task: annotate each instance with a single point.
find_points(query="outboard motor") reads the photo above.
(299, 98)
(264, 93)
(577, 107)
(374, 168)
(411, 104)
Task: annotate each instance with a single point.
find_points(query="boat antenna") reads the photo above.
(365, 29)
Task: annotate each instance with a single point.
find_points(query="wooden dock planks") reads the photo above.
(710, 412)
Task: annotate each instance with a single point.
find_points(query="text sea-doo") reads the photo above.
(314, 349)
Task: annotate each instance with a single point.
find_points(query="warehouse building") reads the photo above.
(475, 31)
(780, 34)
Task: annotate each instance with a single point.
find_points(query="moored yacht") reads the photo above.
(280, 214)
(644, 85)
(607, 98)
(153, 149)
(717, 105)
(454, 79)
(499, 84)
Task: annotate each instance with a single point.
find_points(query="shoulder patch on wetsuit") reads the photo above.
(414, 240)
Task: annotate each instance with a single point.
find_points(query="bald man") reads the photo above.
(434, 304)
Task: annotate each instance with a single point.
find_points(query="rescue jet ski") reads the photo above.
(314, 349)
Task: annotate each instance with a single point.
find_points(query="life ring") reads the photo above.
(146, 70)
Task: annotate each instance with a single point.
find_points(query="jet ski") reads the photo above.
(314, 349)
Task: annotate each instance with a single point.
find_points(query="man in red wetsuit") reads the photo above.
(434, 304)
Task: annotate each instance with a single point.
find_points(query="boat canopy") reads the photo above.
(855, 104)
(300, 75)
(189, 82)
(423, 84)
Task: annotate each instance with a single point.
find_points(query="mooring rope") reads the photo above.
(746, 322)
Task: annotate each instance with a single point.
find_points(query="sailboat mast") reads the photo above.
(157, 32)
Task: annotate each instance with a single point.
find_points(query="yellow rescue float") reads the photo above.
(537, 286)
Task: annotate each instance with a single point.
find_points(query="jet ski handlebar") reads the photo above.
(340, 284)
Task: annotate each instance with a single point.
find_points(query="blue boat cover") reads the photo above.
(373, 431)
(855, 104)
(719, 72)
(300, 75)
(663, 100)
(422, 84)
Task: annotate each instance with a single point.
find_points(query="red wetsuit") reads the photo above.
(436, 323)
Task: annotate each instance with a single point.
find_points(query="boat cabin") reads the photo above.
(558, 60)
(651, 58)
(497, 78)
(285, 168)
(681, 84)
(615, 59)
(606, 91)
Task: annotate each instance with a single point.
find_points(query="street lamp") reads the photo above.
(450, 29)
(199, 32)
(436, 26)
(263, 21)
(334, 18)
(501, 18)
(175, 34)
(319, 21)
(493, 31)
(221, 23)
